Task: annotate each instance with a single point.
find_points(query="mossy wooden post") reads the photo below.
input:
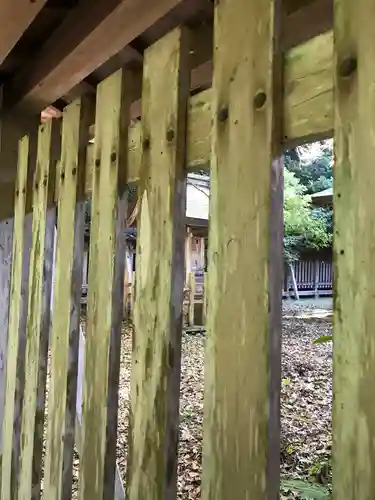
(354, 252)
(66, 304)
(152, 460)
(241, 425)
(105, 289)
(20, 384)
(14, 316)
(38, 319)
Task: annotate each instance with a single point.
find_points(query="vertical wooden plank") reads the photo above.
(316, 278)
(354, 252)
(20, 384)
(119, 488)
(37, 328)
(205, 303)
(188, 251)
(66, 303)
(6, 247)
(241, 425)
(192, 286)
(105, 290)
(14, 315)
(152, 460)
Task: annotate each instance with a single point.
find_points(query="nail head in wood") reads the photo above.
(146, 144)
(260, 100)
(170, 135)
(348, 66)
(223, 114)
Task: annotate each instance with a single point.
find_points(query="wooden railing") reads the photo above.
(312, 278)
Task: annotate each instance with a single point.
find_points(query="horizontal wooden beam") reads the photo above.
(15, 17)
(58, 67)
(308, 108)
(306, 22)
(308, 114)
(89, 35)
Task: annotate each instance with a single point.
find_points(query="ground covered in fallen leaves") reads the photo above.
(305, 401)
(306, 397)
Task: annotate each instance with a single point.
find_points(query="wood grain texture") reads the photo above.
(192, 286)
(307, 108)
(6, 247)
(92, 34)
(242, 381)
(308, 115)
(66, 304)
(152, 459)
(16, 17)
(20, 385)
(119, 488)
(15, 309)
(105, 289)
(308, 101)
(354, 252)
(37, 330)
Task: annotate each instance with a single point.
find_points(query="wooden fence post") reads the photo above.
(316, 278)
(38, 318)
(6, 251)
(105, 289)
(192, 287)
(354, 252)
(152, 460)
(241, 457)
(205, 296)
(66, 303)
(17, 310)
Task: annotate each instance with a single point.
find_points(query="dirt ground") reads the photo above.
(305, 400)
(306, 397)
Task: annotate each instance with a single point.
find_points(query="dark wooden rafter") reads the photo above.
(91, 34)
(306, 22)
(21, 14)
(81, 46)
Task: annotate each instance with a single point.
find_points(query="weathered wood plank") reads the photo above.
(15, 304)
(152, 460)
(19, 394)
(241, 425)
(16, 16)
(60, 66)
(105, 290)
(354, 252)
(192, 286)
(308, 114)
(119, 488)
(66, 304)
(308, 101)
(38, 319)
(6, 247)
(308, 108)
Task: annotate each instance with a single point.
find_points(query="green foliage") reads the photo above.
(303, 227)
(323, 339)
(312, 165)
(306, 490)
